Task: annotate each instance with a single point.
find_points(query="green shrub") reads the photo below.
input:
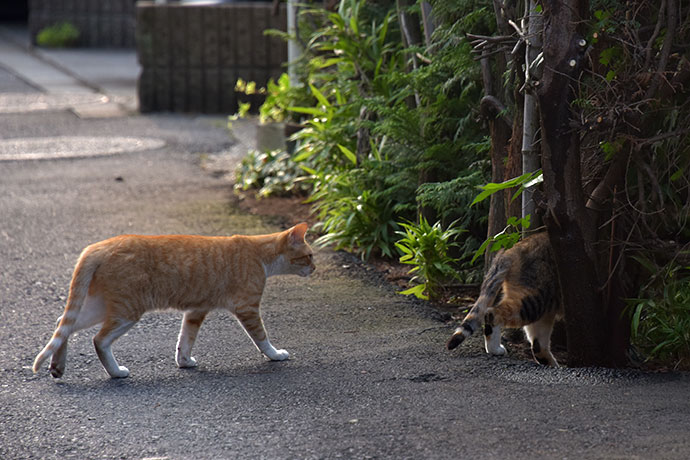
(661, 314)
(274, 101)
(375, 128)
(353, 217)
(59, 35)
(426, 247)
(270, 173)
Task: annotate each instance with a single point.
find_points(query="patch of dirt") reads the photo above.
(288, 210)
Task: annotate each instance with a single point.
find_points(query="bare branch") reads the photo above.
(655, 34)
(671, 22)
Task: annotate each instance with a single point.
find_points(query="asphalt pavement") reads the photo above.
(368, 375)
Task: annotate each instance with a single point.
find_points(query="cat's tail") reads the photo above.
(78, 290)
(493, 281)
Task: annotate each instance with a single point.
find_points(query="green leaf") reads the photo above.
(481, 250)
(319, 95)
(308, 110)
(537, 180)
(491, 188)
(677, 175)
(417, 291)
(329, 62)
(303, 156)
(348, 154)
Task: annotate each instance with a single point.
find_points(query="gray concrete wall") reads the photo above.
(192, 55)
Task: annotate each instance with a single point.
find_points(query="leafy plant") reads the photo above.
(327, 130)
(59, 35)
(278, 99)
(506, 238)
(353, 217)
(661, 314)
(270, 173)
(426, 247)
(374, 126)
(514, 226)
(249, 89)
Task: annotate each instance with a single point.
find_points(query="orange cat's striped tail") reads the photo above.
(78, 290)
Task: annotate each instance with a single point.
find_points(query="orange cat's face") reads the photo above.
(298, 256)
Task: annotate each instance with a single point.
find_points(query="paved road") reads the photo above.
(368, 376)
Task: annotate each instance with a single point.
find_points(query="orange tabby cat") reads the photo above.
(117, 280)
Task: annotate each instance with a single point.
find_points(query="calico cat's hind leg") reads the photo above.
(112, 329)
(539, 336)
(191, 322)
(492, 335)
(501, 315)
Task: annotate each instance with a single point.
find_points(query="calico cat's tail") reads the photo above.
(78, 290)
(491, 287)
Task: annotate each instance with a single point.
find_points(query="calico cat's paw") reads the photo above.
(456, 339)
(496, 350)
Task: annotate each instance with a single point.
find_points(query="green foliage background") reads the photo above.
(383, 139)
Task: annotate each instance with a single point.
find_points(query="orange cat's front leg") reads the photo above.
(250, 319)
(191, 322)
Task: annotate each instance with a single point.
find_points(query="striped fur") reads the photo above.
(117, 280)
(520, 289)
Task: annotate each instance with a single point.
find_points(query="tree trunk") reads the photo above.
(571, 229)
(428, 22)
(500, 132)
(530, 150)
(515, 98)
(513, 166)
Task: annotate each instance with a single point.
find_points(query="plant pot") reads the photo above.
(270, 136)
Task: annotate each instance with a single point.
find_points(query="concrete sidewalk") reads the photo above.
(94, 83)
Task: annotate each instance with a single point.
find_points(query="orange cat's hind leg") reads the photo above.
(112, 329)
(191, 322)
(91, 313)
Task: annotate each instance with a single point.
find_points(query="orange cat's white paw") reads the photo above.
(186, 362)
(121, 373)
(279, 355)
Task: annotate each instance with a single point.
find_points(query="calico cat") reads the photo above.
(117, 280)
(520, 290)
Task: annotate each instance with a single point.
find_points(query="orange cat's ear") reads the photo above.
(296, 233)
